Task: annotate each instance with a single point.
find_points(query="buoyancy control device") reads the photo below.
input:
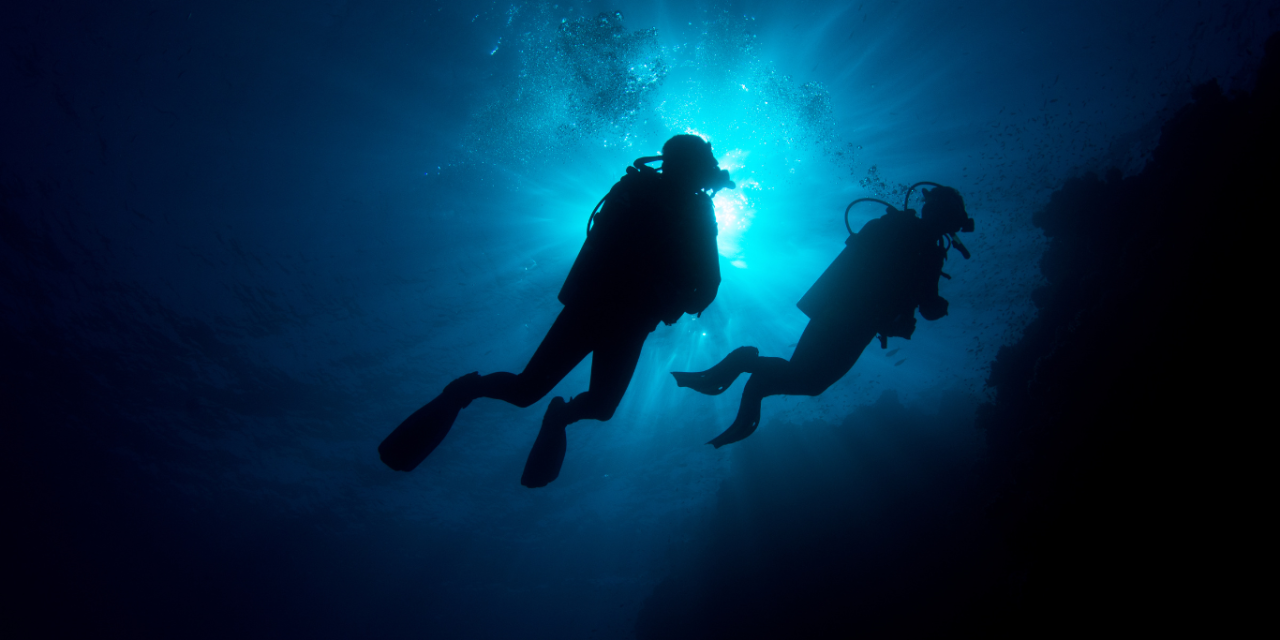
(954, 219)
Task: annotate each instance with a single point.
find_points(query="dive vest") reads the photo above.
(649, 252)
(884, 272)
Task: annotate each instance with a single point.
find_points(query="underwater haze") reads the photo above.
(241, 241)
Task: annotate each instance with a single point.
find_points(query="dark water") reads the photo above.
(241, 242)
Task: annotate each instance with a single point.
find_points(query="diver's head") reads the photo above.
(687, 159)
(944, 212)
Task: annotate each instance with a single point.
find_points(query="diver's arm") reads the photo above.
(705, 262)
(932, 305)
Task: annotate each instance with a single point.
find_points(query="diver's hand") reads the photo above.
(934, 309)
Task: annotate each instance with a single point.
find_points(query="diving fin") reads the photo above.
(744, 425)
(717, 379)
(547, 455)
(422, 432)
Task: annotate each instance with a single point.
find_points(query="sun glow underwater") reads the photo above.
(240, 246)
(734, 209)
(590, 96)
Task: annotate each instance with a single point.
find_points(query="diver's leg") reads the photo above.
(771, 377)
(564, 346)
(568, 341)
(827, 350)
(715, 380)
(612, 366)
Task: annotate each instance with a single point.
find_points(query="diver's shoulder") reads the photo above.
(636, 181)
(899, 221)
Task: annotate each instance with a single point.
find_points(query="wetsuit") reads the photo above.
(650, 256)
(874, 286)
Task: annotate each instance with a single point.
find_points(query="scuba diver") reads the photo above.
(650, 256)
(873, 287)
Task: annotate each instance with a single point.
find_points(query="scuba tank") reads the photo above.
(631, 233)
(954, 220)
(718, 180)
(965, 225)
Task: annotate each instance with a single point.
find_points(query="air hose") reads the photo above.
(953, 240)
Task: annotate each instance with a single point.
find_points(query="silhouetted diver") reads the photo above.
(886, 270)
(650, 256)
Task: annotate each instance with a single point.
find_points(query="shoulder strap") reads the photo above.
(637, 173)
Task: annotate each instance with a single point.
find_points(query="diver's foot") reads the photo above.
(744, 425)
(464, 389)
(715, 380)
(423, 431)
(547, 455)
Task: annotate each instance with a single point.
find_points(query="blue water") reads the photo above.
(242, 241)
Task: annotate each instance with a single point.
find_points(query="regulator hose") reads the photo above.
(846, 210)
(906, 203)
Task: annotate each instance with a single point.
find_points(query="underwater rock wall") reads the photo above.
(1108, 495)
(1118, 410)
